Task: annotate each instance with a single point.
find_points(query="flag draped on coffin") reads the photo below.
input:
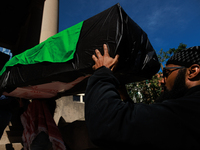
(62, 64)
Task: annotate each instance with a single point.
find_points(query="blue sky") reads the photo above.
(167, 22)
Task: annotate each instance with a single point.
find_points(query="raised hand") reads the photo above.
(104, 60)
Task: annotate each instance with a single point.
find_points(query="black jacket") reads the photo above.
(114, 124)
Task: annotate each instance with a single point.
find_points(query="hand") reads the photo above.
(104, 60)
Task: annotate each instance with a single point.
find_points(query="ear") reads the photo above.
(193, 71)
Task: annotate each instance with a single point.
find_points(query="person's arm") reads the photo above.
(110, 63)
(104, 109)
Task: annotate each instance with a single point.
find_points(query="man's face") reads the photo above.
(174, 84)
(168, 81)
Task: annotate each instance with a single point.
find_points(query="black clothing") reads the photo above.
(114, 124)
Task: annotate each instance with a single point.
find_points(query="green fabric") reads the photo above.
(56, 49)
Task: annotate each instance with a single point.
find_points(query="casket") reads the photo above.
(62, 64)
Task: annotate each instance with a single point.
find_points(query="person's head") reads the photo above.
(182, 72)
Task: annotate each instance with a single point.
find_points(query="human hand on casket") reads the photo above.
(104, 60)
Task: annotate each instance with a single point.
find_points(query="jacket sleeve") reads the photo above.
(115, 124)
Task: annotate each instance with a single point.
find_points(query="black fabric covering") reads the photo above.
(4, 58)
(138, 60)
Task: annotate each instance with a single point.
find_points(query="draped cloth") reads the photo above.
(37, 118)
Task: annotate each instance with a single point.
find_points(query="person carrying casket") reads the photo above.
(171, 124)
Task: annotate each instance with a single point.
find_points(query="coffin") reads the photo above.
(62, 64)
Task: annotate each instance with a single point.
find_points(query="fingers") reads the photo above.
(115, 61)
(98, 53)
(94, 67)
(97, 59)
(105, 48)
(116, 58)
(104, 60)
(94, 58)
